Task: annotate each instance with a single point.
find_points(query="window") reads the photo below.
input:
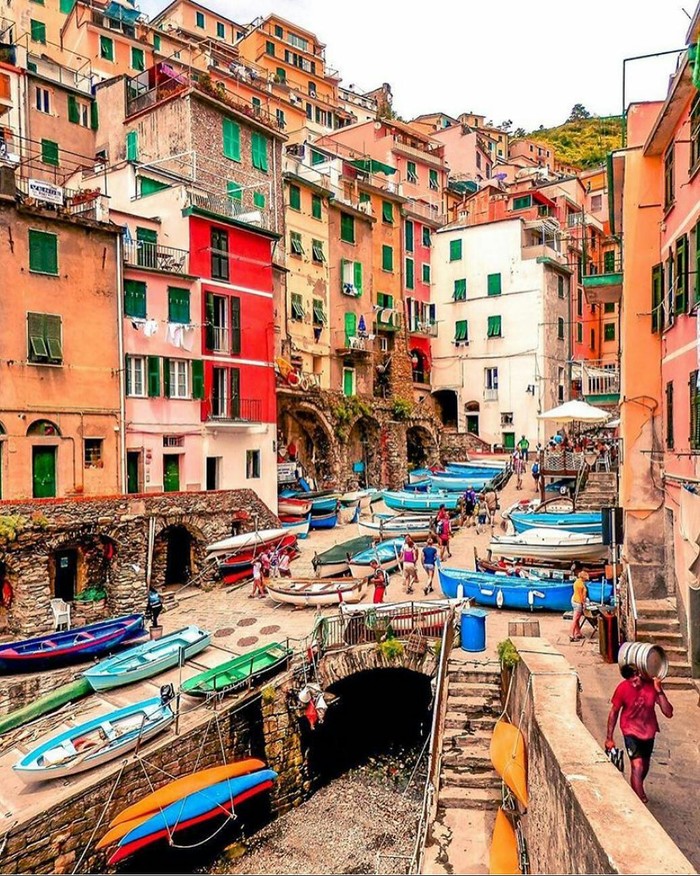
(270, 48)
(295, 197)
(219, 254)
(494, 327)
(38, 31)
(433, 180)
(43, 253)
(410, 274)
(259, 150)
(387, 258)
(579, 302)
(234, 191)
(426, 236)
(609, 307)
(351, 277)
(232, 139)
(348, 381)
(697, 262)
(132, 146)
(279, 32)
(579, 332)
(669, 414)
(408, 235)
(137, 59)
(455, 250)
(388, 212)
(295, 241)
(281, 121)
(694, 411)
(134, 299)
(592, 339)
(609, 262)
(148, 186)
(217, 322)
(106, 48)
(695, 133)
(523, 202)
(297, 307)
(493, 284)
(92, 452)
(669, 177)
(298, 42)
(312, 88)
(252, 464)
(178, 305)
(178, 374)
(670, 289)
(317, 253)
(43, 100)
(44, 339)
(426, 273)
(682, 274)
(560, 386)
(347, 228)
(156, 42)
(319, 313)
(560, 328)
(220, 30)
(281, 77)
(491, 379)
(460, 290)
(78, 112)
(49, 152)
(316, 208)
(259, 200)
(609, 331)
(411, 174)
(478, 160)
(199, 19)
(461, 331)
(317, 157)
(561, 287)
(596, 203)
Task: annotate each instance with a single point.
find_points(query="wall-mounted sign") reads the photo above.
(44, 191)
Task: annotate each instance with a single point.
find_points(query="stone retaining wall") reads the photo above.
(20, 690)
(573, 788)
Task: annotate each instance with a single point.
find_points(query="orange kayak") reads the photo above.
(508, 758)
(119, 830)
(503, 855)
(180, 788)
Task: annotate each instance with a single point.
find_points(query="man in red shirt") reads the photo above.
(635, 700)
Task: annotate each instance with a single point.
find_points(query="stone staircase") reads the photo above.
(657, 623)
(600, 490)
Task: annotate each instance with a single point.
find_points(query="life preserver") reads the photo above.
(293, 378)
(6, 594)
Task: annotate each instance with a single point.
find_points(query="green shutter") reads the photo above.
(43, 252)
(53, 338)
(166, 376)
(295, 197)
(106, 48)
(135, 299)
(316, 209)
(426, 236)
(426, 272)
(357, 277)
(197, 379)
(156, 42)
(523, 202)
(235, 326)
(38, 31)
(232, 139)
(350, 327)
(461, 330)
(259, 150)
(388, 212)
(408, 235)
(153, 376)
(259, 200)
(178, 305)
(49, 152)
(609, 262)
(494, 327)
(220, 30)
(199, 17)
(347, 228)
(66, 6)
(387, 258)
(348, 381)
(94, 116)
(460, 290)
(433, 176)
(494, 284)
(73, 111)
(234, 191)
(36, 332)
(132, 146)
(455, 250)
(209, 316)
(409, 274)
(682, 275)
(137, 59)
(151, 186)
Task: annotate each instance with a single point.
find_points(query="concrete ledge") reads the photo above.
(583, 816)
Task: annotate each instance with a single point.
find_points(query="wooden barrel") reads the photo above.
(524, 626)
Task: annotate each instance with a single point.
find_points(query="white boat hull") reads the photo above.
(360, 570)
(332, 570)
(245, 540)
(550, 544)
(301, 530)
(312, 593)
(394, 530)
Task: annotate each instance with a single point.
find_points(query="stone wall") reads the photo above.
(20, 690)
(87, 525)
(573, 787)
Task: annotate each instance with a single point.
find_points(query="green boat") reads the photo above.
(334, 561)
(240, 672)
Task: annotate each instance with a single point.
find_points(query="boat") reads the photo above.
(507, 751)
(323, 521)
(349, 513)
(537, 569)
(148, 659)
(499, 464)
(324, 504)
(243, 560)
(246, 540)
(298, 526)
(242, 671)
(459, 485)
(95, 742)
(312, 591)
(195, 808)
(419, 528)
(293, 506)
(589, 522)
(407, 501)
(504, 855)
(70, 646)
(386, 552)
(334, 561)
(504, 591)
(550, 544)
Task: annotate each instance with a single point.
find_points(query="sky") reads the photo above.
(527, 62)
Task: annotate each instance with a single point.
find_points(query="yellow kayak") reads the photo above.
(508, 758)
(503, 855)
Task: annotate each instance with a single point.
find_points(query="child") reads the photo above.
(258, 586)
(284, 570)
(428, 559)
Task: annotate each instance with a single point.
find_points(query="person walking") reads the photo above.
(154, 605)
(266, 563)
(258, 585)
(578, 601)
(524, 448)
(283, 567)
(428, 559)
(491, 502)
(380, 579)
(409, 558)
(536, 474)
(444, 531)
(518, 470)
(469, 502)
(635, 700)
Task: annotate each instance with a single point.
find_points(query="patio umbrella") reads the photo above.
(575, 411)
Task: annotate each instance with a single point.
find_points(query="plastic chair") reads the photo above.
(61, 613)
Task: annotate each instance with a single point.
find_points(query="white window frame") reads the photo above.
(83, 115)
(136, 364)
(42, 99)
(179, 372)
(221, 330)
(224, 399)
(491, 378)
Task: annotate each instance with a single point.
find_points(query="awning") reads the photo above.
(369, 165)
(542, 199)
(576, 411)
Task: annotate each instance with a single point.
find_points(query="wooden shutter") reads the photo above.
(73, 111)
(178, 305)
(494, 284)
(94, 116)
(132, 146)
(682, 275)
(350, 327)
(53, 339)
(387, 212)
(166, 376)
(387, 258)
(316, 208)
(43, 252)
(49, 152)
(153, 376)
(209, 317)
(409, 274)
(198, 379)
(232, 139)
(295, 197)
(234, 191)
(36, 331)
(657, 294)
(235, 393)
(357, 277)
(235, 326)
(135, 299)
(408, 235)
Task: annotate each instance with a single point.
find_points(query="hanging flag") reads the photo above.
(311, 713)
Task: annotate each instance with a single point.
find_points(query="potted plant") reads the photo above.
(509, 657)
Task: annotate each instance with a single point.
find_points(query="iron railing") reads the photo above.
(239, 410)
(230, 208)
(140, 254)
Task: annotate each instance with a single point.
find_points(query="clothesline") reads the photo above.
(181, 335)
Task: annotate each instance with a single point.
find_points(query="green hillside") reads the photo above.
(584, 142)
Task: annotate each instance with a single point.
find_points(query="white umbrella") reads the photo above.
(578, 411)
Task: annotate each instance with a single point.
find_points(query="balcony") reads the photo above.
(491, 394)
(227, 208)
(234, 411)
(426, 329)
(388, 320)
(433, 158)
(139, 254)
(600, 383)
(356, 345)
(431, 212)
(81, 203)
(602, 278)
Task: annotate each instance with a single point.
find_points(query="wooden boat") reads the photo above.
(70, 646)
(148, 659)
(419, 528)
(587, 522)
(49, 702)
(324, 505)
(386, 552)
(550, 544)
(193, 809)
(246, 540)
(293, 506)
(95, 742)
(240, 672)
(507, 751)
(537, 568)
(406, 501)
(334, 561)
(312, 591)
(349, 514)
(323, 521)
(244, 559)
(298, 526)
(504, 856)
(505, 591)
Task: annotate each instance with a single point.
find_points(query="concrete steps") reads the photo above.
(658, 624)
(473, 706)
(459, 797)
(600, 491)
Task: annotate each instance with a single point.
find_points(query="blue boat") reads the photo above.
(452, 484)
(403, 501)
(503, 591)
(324, 504)
(489, 465)
(323, 521)
(69, 646)
(386, 553)
(589, 522)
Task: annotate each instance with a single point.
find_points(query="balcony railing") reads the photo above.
(389, 320)
(600, 379)
(235, 410)
(602, 276)
(110, 23)
(82, 203)
(356, 344)
(431, 212)
(428, 329)
(140, 254)
(224, 206)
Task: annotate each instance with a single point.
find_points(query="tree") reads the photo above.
(518, 132)
(578, 111)
(506, 125)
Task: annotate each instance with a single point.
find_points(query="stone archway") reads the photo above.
(446, 407)
(308, 429)
(363, 449)
(421, 447)
(178, 554)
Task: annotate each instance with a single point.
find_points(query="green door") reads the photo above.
(171, 473)
(132, 471)
(348, 381)
(147, 242)
(509, 440)
(43, 472)
(473, 424)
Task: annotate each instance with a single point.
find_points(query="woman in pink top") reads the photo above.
(409, 558)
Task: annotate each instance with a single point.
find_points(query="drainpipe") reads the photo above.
(121, 425)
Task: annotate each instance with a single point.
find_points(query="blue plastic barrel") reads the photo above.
(473, 629)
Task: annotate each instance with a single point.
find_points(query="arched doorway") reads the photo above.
(303, 429)
(472, 409)
(44, 483)
(446, 406)
(178, 555)
(421, 448)
(363, 452)
(420, 367)
(67, 571)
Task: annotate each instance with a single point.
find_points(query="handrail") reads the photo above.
(581, 478)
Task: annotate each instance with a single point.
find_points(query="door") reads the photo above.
(66, 574)
(133, 467)
(147, 243)
(509, 440)
(213, 472)
(348, 381)
(171, 473)
(473, 424)
(43, 472)
(350, 327)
